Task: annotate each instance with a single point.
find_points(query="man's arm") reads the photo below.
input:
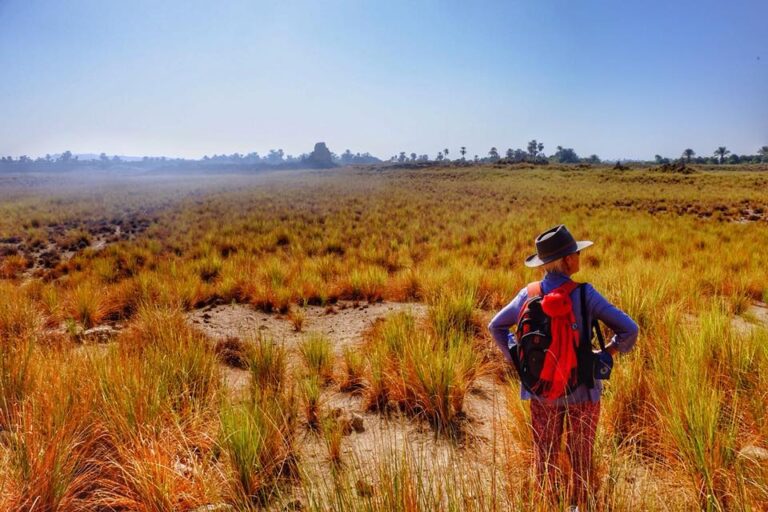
(504, 320)
(625, 329)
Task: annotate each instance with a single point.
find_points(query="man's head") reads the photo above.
(557, 250)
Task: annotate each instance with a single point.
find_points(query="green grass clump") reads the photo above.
(267, 365)
(353, 368)
(423, 374)
(161, 367)
(257, 438)
(317, 355)
(438, 375)
(453, 313)
(310, 392)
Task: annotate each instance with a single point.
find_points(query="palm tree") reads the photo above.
(763, 152)
(688, 154)
(494, 153)
(721, 152)
(463, 151)
(533, 149)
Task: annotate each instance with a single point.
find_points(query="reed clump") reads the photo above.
(318, 357)
(420, 372)
(258, 438)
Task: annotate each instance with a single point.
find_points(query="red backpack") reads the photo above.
(550, 354)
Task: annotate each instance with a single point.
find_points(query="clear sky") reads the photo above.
(187, 78)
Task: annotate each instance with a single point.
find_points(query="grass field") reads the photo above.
(165, 414)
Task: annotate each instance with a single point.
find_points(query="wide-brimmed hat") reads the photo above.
(553, 244)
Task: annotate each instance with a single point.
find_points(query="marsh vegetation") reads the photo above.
(281, 404)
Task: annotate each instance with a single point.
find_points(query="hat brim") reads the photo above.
(534, 261)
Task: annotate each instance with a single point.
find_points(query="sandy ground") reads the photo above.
(344, 325)
(484, 406)
(757, 314)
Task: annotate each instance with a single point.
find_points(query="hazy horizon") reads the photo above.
(187, 79)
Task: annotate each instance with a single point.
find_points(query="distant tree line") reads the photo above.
(534, 153)
(275, 158)
(322, 157)
(721, 155)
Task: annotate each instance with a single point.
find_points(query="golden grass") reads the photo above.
(150, 429)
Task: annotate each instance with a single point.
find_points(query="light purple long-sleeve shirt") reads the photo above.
(620, 323)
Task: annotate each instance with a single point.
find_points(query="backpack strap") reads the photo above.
(534, 290)
(567, 287)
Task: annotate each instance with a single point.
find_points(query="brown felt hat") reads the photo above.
(553, 244)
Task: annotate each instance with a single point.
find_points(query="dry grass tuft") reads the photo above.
(233, 352)
(419, 372)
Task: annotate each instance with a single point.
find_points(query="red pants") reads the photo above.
(548, 422)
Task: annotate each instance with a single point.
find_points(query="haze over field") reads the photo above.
(186, 79)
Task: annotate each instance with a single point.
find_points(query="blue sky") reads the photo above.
(188, 78)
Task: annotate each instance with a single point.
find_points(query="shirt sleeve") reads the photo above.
(505, 320)
(625, 329)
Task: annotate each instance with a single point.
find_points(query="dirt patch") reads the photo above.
(744, 212)
(755, 316)
(343, 323)
(674, 168)
(364, 452)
